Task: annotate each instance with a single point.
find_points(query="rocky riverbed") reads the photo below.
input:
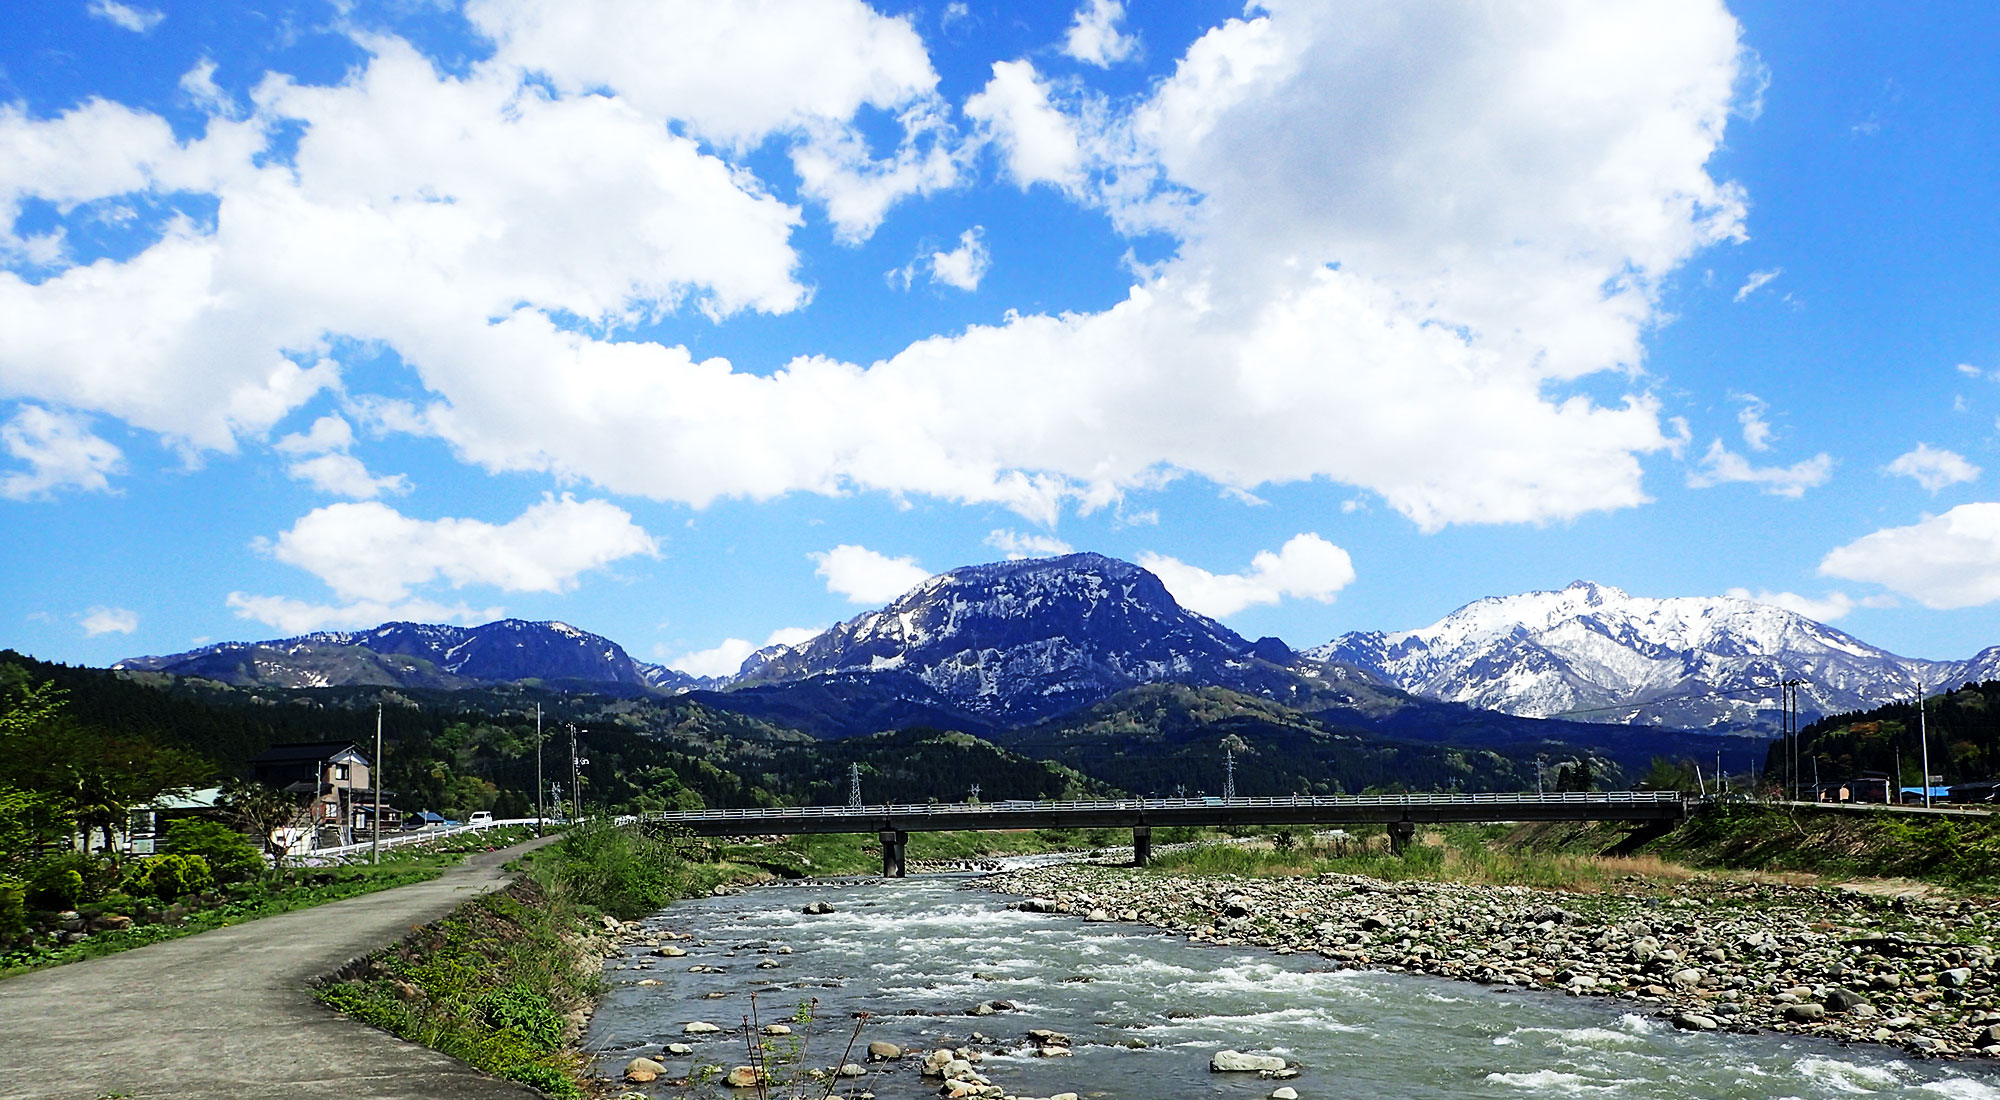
(1706, 955)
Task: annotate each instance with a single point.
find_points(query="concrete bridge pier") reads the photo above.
(1401, 833)
(1142, 845)
(894, 843)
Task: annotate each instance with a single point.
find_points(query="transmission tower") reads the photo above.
(975, 793)
(1228, 774)
(854, 785)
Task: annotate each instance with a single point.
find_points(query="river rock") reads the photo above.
(743, 1077)
(777, 1029)
(700, 1027)
(641, 1070)
(818, 908)
(1956, 977)
(879, 1051)
(1805, 1013)
(670, 952)
(1098, 915)
(1284, 1092)
(679, 1050)
(1844, 1000)
(1234, 1061)
(1686, 979)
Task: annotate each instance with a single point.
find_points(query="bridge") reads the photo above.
(1402, 813)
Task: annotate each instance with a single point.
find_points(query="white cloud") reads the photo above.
(1825, 609)
(1500, 234)
(1722, 466)
(1041, 144)
(727, 658)
(863, 576)
(1946, 561)
(1756, 430)
(298, 616)
(371, 552)
(964, 266)
(1933, 468)
(1094, 37)
(333, 471)
(1756, 280)
(345, 476)
(1306, 567)
(135, 19)
(199, 85)
(1970, 371)
(61, 453)
(1015, 544)
(108, 620)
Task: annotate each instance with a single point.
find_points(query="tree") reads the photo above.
(263, 812)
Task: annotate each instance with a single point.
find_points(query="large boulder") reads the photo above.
(700, 1027)
(744, 1077)
(879, 1051)
(1233, 1061)
(641, 1070)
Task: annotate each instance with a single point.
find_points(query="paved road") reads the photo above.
(228, 1013)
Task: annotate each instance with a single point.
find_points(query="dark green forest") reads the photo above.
(1963, 727)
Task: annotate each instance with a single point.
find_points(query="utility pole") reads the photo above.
(1539, 759)
(854, 786)
(575, 776)
(375, 819)
(538, 769)
(1229, 774)
(1924, 742)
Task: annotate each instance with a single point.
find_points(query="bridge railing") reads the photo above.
(906, 809)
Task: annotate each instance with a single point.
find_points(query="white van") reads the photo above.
(480, 817)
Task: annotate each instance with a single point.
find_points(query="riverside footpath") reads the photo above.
(230, 1013)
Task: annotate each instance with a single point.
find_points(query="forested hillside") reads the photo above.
(1963, 727)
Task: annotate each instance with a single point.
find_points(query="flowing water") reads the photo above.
(907, 953)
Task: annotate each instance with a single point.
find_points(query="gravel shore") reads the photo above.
(1707, 954)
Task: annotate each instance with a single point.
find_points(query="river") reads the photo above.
(919, 953)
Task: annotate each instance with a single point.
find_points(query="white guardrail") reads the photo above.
(792, 813)
(403, 838)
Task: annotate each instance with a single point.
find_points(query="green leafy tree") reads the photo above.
(229, 855)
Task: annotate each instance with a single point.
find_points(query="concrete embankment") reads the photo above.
(230, 1013)
(1707, 954)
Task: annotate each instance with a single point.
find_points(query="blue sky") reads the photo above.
(698, 325)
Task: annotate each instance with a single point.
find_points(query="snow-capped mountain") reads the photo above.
(1018, 640)
(1591, 652)
(421, 655)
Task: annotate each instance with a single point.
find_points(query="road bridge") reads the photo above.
(1402, 813)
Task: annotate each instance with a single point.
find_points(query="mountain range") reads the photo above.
(1004, 646)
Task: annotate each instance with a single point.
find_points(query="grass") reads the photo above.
(281, 891)
(494, 983)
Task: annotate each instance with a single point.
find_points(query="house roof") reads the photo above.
(296, 751)
(187, 798)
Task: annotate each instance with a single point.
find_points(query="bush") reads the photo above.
(619, 871)
(230, 856)
(171, 877)
(13, 910)
(529, 1014)
(65, 880)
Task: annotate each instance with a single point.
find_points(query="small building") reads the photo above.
(147, 825)
(333, 778)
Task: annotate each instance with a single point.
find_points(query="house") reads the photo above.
(334, 779)
(147, 824)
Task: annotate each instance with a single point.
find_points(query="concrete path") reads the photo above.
(228, 1013)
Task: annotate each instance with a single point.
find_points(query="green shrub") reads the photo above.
(13, 910)
(553, 1080)
(64, 880)
(171, 877)
(620, 871)
(520, 1009)
(230, 856)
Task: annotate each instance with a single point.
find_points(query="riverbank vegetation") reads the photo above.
(505, 982)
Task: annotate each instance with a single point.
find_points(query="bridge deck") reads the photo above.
(1137, 812)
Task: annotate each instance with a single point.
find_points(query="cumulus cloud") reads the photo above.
(293, 616)
(1040, 143)
(1934, 468)
(1944, 562)
(330, 469)
(108, 620)
(1756, 281)
(1825, 609)
(1306, 567)
(1094, 37)
(862, 575)
(131, 17)
(726, 659)
(1016, 545)
(1722, 466)
(369, 551)
(964, 266)
(61, 453)
(1396, 223)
